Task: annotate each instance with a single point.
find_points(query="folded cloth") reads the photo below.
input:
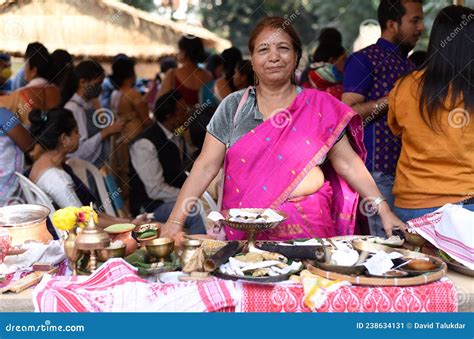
(116, 287)
(451, 229)
(316, 289)
(51, 252)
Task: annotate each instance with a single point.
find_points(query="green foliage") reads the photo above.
(235, 20)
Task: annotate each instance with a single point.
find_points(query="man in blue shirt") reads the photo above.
(369, 75)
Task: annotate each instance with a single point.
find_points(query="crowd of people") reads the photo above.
(382, 125)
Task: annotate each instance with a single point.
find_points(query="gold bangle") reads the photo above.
(177, 222)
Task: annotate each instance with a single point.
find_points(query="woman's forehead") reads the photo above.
(272, 36)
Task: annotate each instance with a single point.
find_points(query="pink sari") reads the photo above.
(264, 167)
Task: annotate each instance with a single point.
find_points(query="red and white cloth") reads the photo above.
(116, 287)
(451, 229)
(440, 296)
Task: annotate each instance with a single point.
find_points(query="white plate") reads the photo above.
(170, 277)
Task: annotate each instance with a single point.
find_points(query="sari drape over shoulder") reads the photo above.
(263, 168)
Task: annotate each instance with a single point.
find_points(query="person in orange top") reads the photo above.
(432, 111)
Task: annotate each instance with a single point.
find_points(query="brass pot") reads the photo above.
(107, 253)
(72, 253)
(25, 222)
(190, 247)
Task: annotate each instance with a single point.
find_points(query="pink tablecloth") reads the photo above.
(440, 296)
(116, 287)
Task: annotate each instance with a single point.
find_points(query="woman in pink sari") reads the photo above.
(283, 147)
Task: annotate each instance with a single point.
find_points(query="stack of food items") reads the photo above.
(259, 264)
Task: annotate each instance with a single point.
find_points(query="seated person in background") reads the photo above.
(158, 163)
(14, 140)
(38, 93)
(57, 132)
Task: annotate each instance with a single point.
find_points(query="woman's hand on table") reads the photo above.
(390, 221)
(173, 231)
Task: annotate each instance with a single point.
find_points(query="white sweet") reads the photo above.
(272, 215)
(261, 264)
(343, 255)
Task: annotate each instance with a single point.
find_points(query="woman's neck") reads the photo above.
(271, 98)
(57, 157)
(275, 91)
(188, 64)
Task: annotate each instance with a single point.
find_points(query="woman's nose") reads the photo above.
(274, 55)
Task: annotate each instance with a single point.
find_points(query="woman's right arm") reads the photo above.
(21, 137)
(203, 172)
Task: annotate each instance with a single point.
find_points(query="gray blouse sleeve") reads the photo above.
(221, 123)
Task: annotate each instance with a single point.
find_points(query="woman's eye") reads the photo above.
(262, 50)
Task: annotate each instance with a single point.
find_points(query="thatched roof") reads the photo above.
(96, 28)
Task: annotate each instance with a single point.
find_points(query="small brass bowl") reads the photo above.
(160, 248)
(107, 253)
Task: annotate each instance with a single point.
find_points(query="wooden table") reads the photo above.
(22, 302)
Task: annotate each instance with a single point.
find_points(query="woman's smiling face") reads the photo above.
(273, 57)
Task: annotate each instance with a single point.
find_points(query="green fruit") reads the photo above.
(147, 234)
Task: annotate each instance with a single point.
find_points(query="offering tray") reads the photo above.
(372, 281)
(371, 247)
(252, 228)
(364, 246)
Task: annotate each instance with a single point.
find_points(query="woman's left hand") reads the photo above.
(390, 221)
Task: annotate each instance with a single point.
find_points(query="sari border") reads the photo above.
(324, 149)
